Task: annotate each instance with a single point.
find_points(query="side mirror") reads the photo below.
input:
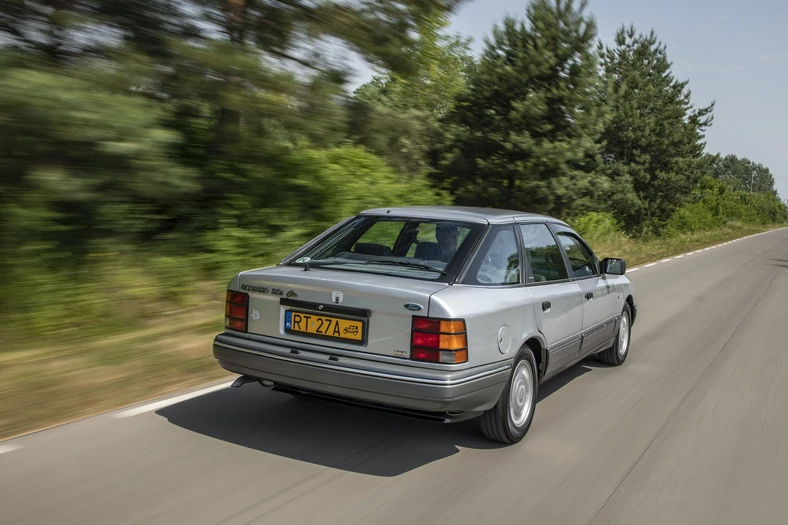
(612, 266)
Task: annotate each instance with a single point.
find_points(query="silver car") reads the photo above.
(440, 313)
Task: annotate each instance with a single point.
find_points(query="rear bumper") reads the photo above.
(432, 394)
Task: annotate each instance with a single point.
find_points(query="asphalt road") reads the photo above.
(693, 429)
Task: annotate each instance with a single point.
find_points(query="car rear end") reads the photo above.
(350, 321)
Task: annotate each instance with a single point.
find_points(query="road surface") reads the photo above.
(693, 429)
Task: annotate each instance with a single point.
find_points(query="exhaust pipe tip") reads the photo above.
(242, 380)
(267, 383)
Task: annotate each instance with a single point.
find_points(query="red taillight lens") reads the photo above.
(422, 354)
(426, 340)
(439, 340)
(236, 311)
(237, 298)
(424, 323)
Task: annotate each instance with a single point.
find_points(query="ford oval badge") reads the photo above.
(413, 307)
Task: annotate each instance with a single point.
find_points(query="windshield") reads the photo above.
(422, 248)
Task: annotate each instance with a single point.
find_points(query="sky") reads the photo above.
(732, 52)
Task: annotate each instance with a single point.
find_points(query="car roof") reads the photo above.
(466, 213)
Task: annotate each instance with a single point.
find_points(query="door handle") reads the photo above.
(589, 295)
(546, 306)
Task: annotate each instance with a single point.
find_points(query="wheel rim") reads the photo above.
(521, 394)
(623, 335)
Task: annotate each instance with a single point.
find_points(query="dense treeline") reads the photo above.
(147, 145)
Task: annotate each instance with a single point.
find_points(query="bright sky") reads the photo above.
(734, 52)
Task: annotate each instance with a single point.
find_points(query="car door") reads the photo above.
(598, 291)
(557, 299)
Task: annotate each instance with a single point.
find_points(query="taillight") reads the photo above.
(236, 311)
(439, 340)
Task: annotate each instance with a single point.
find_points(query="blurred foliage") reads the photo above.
(397, 117)
(150, 148)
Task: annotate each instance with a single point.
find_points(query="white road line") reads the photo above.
(9, 448)
(699, 251)
(171, 401)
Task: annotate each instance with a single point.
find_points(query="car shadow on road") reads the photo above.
(556, 383)
(339, 437)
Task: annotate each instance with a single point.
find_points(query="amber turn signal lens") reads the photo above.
(452, 327)
(452, 342)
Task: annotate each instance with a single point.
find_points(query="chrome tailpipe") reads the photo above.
(242, 380)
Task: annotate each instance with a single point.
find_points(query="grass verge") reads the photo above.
(45, 383)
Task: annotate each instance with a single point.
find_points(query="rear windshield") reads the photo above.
(418, 248)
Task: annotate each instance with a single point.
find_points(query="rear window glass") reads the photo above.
(396, 246)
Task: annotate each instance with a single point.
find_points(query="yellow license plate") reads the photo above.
(324, 326)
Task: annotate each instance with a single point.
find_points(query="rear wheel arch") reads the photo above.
(540, 353)
(632, 313)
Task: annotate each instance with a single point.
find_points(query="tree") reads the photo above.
(653, 142)
(264, 75)
(524, 133)
(66, 31)
(397, 116)
(80, 165)
(742, 174)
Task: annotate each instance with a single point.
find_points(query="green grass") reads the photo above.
(48, 383)
(69, 374)
(636, 251)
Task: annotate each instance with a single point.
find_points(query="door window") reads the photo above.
(580, 258)
(543, 255)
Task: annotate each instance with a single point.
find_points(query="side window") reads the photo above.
(581, 260)
(498, 260)
(544, 256)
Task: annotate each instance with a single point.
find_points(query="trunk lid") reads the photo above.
(364, 312)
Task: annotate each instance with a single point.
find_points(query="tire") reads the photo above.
(502, 424)
(617, 354)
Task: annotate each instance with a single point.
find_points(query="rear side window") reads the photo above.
(497, 263)
(544, 256)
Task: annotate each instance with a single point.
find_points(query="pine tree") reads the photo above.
(654, 138)
(524, 134)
